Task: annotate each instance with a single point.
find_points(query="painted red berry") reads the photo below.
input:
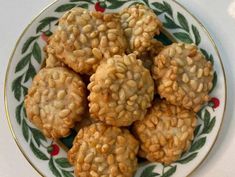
(214, 102)
(44, 37)
(100, 6)
(53, 149)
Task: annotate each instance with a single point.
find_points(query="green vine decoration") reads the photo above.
(148, 171)
(31, 51)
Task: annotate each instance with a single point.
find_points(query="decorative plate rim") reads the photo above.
(51, 4)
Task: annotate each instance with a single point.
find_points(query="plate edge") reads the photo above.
(44, 9)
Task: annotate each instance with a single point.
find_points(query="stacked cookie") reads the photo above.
(126, 67)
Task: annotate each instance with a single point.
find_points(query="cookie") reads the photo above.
(100, 150)
(183, 75)
(121, 90)
(165, 133)
(140, 25)
(55, 101)
(84, 38)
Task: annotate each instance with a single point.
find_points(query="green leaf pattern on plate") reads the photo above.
(169, 172)
(18, 113)
(63, 162)
(37, 52)
(25, 71)
(197, 144)
(184, 37)
(148, 172)
(37, 152)
(67, 173)
(23, 62)
(25, 130)
(65, 7)
(183, 22)
(197, 37)
(53, 168)
(188, 158)
(27, 43)
(37, 136)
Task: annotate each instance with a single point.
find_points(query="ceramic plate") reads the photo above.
(49, 157)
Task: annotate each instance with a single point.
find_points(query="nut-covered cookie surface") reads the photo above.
(183, 75)
(84, 38)
(55, 101)
(165, 133)
(52, 61)
(140, 24)
(121, 90)
(104, 151)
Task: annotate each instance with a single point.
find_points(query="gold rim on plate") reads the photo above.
(42, 11)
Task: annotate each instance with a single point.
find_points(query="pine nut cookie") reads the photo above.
(140, 25)
(84, 38)
(183, 75)
(104, 151)
(55, 101)
(121, 90)
(165, 132)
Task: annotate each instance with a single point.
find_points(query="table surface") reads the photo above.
(219, 19)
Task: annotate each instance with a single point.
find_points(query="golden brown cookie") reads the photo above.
(100, 150)
(84, 38)
(121, 90)
(55, 101)
(165, 133)
(140, 24)
(183, 75)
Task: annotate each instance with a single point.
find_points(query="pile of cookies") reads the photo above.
(127, 68)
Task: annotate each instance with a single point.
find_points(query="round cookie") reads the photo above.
(140, 24)
(55, 101)
(165, 132)
(100, 150)
(183, 75)
(121, 90)
(84, 38)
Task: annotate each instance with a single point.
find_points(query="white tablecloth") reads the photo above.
(16, 14)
